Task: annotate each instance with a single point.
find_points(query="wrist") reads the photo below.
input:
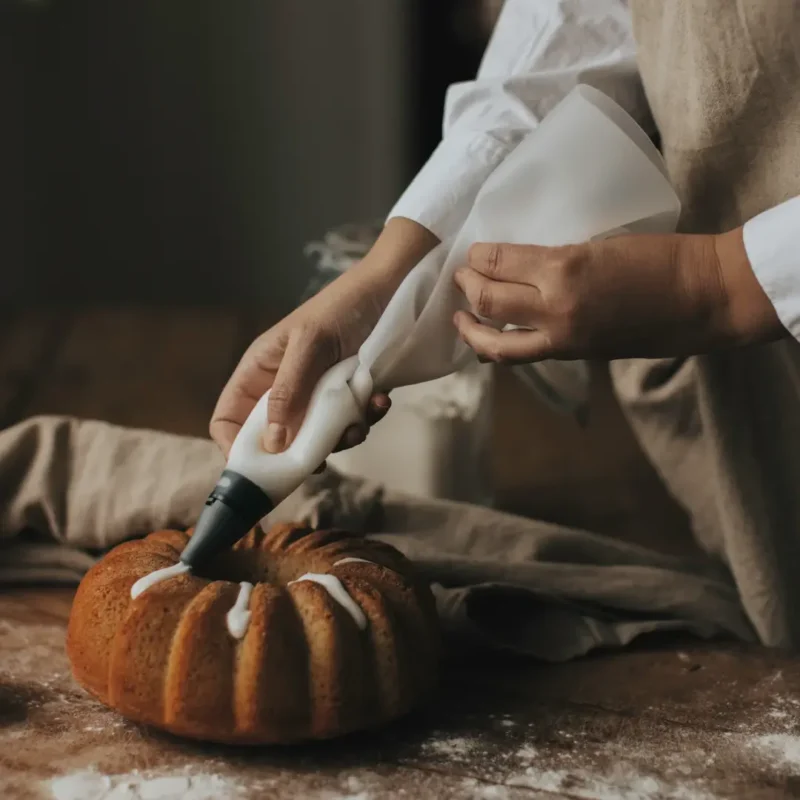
(748, 316)
(401, 245)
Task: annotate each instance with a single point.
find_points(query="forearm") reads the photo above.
(398, 249)
(374, 279)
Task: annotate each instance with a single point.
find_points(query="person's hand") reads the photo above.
(291, 357)
(629, 296)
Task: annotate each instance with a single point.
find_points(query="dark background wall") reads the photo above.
(185, 150)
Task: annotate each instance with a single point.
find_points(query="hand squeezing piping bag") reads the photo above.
(587, 171)
(254, 481)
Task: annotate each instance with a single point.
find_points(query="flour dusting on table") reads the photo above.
(457, 747)
(779, 747)
(91, 785)
(61, 744)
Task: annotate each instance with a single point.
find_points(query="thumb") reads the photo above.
(308, 355)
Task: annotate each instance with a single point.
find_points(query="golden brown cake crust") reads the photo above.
(304, 669)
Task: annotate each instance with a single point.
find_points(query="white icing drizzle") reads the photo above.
(148, 581)
(335, 589)
(238, 618)
(351, 560)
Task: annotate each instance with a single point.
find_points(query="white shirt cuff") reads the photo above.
(444, 190)
(772, 243)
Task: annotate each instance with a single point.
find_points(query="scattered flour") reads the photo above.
(475, 790)
(621, 783)
(455, 747)
(783, 749)
(354, 784)
(91, 785)
(355, 788)
(774, 737)
(527, 753)
(490, 793)
(544, 780)
(585, 769)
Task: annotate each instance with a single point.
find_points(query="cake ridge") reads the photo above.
(186, 674)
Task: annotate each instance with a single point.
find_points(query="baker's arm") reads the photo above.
(539, 51)
(772, 242)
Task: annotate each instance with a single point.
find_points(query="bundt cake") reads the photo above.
(293, 634)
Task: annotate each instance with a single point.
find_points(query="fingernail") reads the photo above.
(276, 437)
(381, 401)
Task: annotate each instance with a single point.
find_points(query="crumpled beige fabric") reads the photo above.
(72, 488)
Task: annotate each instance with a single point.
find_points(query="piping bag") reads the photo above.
(588, 171)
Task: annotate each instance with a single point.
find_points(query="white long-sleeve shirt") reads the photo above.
(539, 51)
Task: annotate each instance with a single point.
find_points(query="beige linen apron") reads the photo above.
(723, 81)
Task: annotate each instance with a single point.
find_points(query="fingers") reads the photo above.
(378, 407)
(223, 432)
(550, 290)
(514, 263)
(355, 435)
(308, 355)
(506, 347)
(509, 303)
(352, 437)
(225, 422)
(250, 380)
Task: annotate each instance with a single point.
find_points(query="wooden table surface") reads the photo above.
(667, 718)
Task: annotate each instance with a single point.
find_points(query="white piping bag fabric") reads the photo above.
(586, 172)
